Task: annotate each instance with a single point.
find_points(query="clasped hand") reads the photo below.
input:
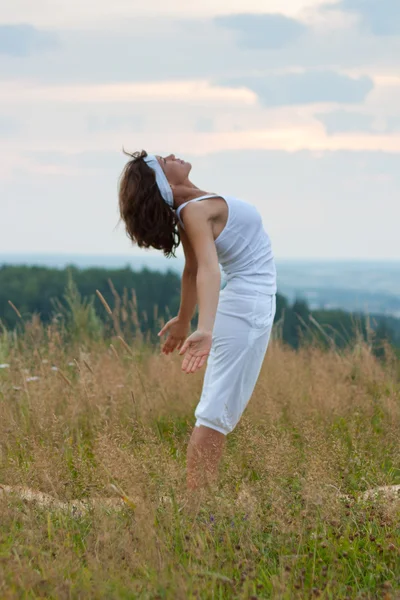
(196, 347)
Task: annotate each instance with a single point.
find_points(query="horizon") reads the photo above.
(367, 286)
(149, 255)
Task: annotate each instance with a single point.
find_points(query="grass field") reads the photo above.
(286, 521)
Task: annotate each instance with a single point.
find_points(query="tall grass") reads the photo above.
(81, 409)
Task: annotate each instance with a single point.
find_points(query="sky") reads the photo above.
(295, 109)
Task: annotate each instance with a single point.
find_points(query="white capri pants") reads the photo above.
(240, 339)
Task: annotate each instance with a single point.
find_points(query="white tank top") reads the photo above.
(243, 248)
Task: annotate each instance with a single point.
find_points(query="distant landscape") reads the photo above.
(354, 286)
(152, 291)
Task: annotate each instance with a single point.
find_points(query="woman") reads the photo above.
(161, 207)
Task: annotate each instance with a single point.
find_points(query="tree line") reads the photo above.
(141, 300)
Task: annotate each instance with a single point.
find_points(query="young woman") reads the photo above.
(161, 207)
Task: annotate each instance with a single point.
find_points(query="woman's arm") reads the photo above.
(188, 304)
(208, 277)
(202, 278)
(178, 328)
(188, 288)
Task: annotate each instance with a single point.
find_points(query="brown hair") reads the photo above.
(149, 221)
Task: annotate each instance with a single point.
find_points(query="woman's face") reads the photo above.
(176, 170)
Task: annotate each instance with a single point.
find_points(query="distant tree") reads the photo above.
(295, 323)
(141, 300)
(383, 336)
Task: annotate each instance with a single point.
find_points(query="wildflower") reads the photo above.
(4, 366)
(35, 378)
(54, 368)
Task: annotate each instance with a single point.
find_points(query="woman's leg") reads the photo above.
(203, 457)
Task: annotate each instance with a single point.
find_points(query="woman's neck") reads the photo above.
(186, 192)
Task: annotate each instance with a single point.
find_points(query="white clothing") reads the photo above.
(244, 318)
(243, 247)
(161, 180)
(240, 339)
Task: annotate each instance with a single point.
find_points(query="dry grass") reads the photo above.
(319, 425)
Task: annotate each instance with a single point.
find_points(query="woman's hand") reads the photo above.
(197, 348)
(178, 331)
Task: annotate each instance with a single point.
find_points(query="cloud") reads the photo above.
(114, 55)
(8, 126)
(304, 88)
(393, 124)
(382, 17)
(115, 122)
(343, 121)
(196, 124)
(24, 40)
(98, 159)
(204, 125)
(263, 30)
(75, 13)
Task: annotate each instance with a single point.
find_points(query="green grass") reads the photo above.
(276, 526)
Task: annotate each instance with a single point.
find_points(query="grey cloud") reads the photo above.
(393, 124)
(115, 56)
(304, 88)
(263, 30)
(382, 17)
(24, 40)
(204, 125)
(8, 126)
(343, 121)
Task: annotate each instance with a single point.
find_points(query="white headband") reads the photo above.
(161, 180)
